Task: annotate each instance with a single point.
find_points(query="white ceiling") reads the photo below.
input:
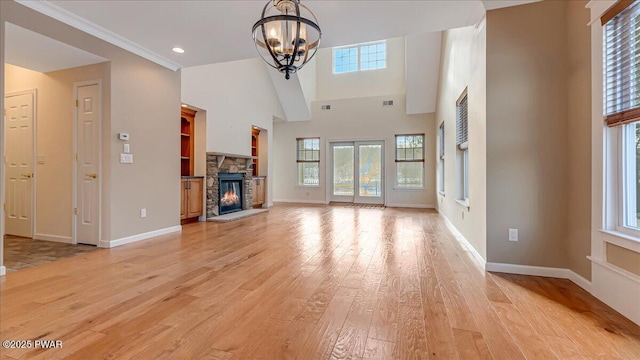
(31, 50)
(218, 31)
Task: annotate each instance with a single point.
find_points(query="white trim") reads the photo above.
(3, 270)
(619, 292)
(54, 238)
(458, 235)
(621, 239)
(559, 273)
(138, 237)
(412, 206)
(82, 24)
(299, 201)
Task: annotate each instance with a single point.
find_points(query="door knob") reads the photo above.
(27, 175)
(94, 175)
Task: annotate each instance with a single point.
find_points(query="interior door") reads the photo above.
(87, 169)
(19, 174)
(357, 172)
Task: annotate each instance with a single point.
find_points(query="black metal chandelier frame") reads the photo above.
(284, 62)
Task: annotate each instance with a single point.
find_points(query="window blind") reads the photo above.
(622, 67)
(462, 122)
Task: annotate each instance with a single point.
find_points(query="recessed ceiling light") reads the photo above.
(178, 50)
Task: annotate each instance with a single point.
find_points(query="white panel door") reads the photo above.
(19, 180)
(87, 164)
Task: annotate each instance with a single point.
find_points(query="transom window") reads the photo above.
(308, 159)
(410, 161)
(360, 57)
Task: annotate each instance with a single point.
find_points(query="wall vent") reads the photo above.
(326, 107)
(387, 103)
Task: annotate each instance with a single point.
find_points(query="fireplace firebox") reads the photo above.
(230, 192)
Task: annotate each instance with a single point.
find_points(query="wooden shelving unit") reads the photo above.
(255, 133)
(187, 128)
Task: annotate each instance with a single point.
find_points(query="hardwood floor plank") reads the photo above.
(304, 282)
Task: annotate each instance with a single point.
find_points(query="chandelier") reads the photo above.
(286, 38)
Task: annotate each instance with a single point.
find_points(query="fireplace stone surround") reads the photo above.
(227, 164)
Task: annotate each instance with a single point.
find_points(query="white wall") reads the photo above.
(422, 70)
(236, 95)
(54, 141)
(361, 83)
(144, 100)
(353, 119)
(463, 65)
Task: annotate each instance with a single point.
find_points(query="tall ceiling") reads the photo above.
(218, 31)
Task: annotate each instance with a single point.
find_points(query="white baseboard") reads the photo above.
(300, 201)
(617, 288)
(3, 270)
(463, 240)
(559, 273)
(412, 206)
(138, 237)
(55, 238)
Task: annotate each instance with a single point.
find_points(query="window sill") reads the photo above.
(621, 239)
(307, 186)
(464, 203)
(409, 188)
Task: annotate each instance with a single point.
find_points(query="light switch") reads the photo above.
(126, 158)
(127, 148)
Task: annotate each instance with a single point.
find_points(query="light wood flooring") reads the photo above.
(304, 282)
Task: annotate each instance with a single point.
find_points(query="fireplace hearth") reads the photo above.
(230, 193)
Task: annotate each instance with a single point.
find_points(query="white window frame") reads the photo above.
(462, 159)
(422, 161)
(441, 159)
(358, 52)
(300, 182)
(621, 162)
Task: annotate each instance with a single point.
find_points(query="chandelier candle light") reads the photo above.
(285, 38)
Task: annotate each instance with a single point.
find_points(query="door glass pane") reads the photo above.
(370, 170)
(343, 170)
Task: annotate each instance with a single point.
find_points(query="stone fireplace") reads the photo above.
(228, 177)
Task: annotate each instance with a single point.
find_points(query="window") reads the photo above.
(441, 161)
(462, 153)
(621, 105)
(360, 57)
(410, 161)
(308, 159)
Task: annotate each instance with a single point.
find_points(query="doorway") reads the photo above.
(357, 172)
(19, 169)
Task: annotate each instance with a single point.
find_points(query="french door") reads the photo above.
(357, 172)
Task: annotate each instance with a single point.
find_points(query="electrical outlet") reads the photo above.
(513, 234)
(143, 213)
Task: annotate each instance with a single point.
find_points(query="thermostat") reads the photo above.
(123, 136)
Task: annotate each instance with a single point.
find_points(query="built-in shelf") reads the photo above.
(255, 133)
(187, 125)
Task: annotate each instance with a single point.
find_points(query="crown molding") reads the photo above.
(56, 12)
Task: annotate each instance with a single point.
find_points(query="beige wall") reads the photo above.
(579, 137)
(145, 102)
(623, 258)
(527, 161)
(361, 83)
(2, 31)
(353, 119)
(54, 140)
(462, 65)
